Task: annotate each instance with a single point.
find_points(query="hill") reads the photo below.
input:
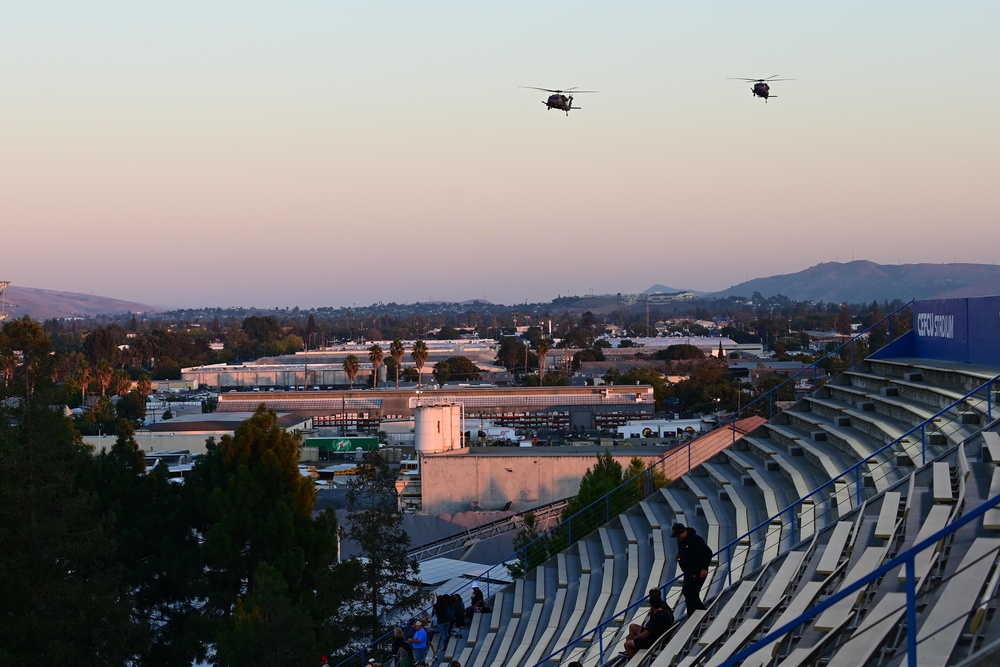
(43, 304)
(862, 281)
(663, 289)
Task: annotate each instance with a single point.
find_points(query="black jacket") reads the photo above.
(693, 554)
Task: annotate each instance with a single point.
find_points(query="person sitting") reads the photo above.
(477, 604)
(660, 620)
(634, 629)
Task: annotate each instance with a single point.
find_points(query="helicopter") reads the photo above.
(760, 87)
(559, 101)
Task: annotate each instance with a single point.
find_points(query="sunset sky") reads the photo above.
(332, 153)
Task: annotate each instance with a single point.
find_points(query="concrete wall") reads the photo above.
(452, 482)
(155, 443)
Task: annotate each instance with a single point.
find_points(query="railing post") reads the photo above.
(729, 567)
(923, 444)
(600, 641)
(791, 522)
(770, 405)
(989, 400)
(857, 485)
(911, 612)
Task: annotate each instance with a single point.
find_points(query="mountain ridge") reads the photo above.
(863, 281)
(44, 304)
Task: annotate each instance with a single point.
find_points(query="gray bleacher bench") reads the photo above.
(991, 446)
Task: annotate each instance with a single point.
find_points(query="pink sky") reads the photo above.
(334, 155)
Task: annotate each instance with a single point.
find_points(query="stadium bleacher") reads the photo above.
(901, 450)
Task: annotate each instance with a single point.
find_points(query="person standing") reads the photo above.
(419, 643)
(442, 612)
(694, 557)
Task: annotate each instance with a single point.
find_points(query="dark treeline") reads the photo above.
(105, 564)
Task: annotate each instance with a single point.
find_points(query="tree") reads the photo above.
(24, 341)
(844, 319)
(61, 595)
(352, 366)
(513, 354)
(683, 351)
(419, 356)
(463, 368)
(542, 348)
(376, 355)
(447, 332)
(587, 514)
(121, 383)
(441, 372)
(396, 351)
(532, 549)
(879, 335)
(102, 376)
(375, 524)
(131, 406)
(637, 469)
(247, 499)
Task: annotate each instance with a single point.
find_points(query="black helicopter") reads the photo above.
(557, 100)
(760, 87)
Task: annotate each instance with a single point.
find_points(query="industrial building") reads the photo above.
(575, 408)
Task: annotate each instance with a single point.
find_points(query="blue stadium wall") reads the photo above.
(962, 330)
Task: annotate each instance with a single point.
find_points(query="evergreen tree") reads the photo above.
(374, 522)
(61, 598)
(531, 549)
(253, 509)
(590, 510)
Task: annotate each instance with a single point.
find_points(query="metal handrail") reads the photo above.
(907, 559)
(730, 547)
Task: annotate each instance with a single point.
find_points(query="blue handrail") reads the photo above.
(791, 510)
(906, 558)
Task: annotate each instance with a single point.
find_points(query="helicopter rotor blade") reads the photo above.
(564, 90)
(769, 79)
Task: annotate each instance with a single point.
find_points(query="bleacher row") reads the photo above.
(779, 563)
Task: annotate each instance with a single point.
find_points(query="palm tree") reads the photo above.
(376, 355)
(144, 385)
(102, 375)
(84, 376)
(121, 383)
(396, 351)
(351, 367)
(419, 355)
(542, 348)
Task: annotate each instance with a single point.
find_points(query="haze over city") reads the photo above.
(317, 154)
